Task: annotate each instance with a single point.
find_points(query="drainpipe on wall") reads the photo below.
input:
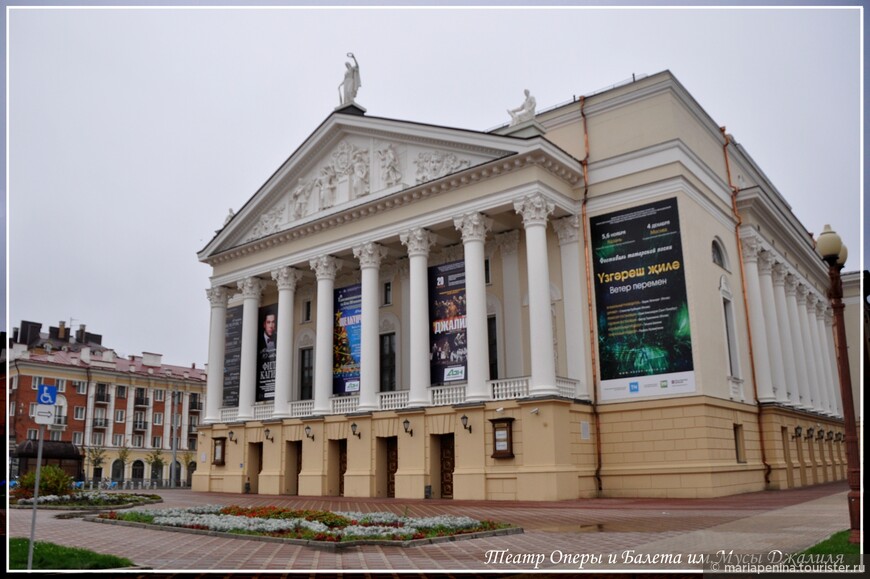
(734, 191)
(592, 341)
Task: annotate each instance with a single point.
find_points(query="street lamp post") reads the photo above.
(832, 250)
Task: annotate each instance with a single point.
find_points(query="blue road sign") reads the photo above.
(47, 395)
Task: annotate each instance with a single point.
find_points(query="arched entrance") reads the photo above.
(191, 468)
(117, 471)
(138, 471)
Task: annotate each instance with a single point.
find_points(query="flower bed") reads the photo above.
(90, 499)
(312, 526)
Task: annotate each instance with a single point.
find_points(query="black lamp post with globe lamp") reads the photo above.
(832, 250)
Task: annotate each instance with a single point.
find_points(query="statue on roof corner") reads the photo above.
(524, 112)
(350, 85)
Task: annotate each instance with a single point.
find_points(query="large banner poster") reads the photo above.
(232, 356)
(266, 344)
(346, 343)
(449, 349)
(644, 338)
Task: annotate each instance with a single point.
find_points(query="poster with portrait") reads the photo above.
(644, 334)
(232, 356)
(346, 343)
(267, 334)
(447, 337)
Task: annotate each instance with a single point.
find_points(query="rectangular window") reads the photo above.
(61, 385)
(81, 387)
(97, 439)
(121, 391)
(306, 373)
(739, 444)
(492, 336)
(388, 362)
(388, 294)
(35, 381)
(32, 411)
(156, 442)
(487, 272)
(15, 382)
(138, 440)
(219, 445)
(120, 415)
(117, 440)
(78, 437)
(502, 437)
(55, 435)
(32, 434)
(194, 420)
(79, 413)
(306, 311)
(158, 395)
(191, 443)
(158, 418)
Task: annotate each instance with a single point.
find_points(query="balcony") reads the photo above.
(60, 420)
(140, 425)
(101, 422)
(301, 408)
(344, 404)
(393, 400)
(140, 401)
(194, 406)
(102, 397)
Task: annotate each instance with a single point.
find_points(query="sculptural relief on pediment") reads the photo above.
(434, 164)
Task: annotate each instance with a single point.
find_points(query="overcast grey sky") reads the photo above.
(131, 132)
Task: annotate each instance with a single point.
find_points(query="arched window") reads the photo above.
(138, 470)
(117, 470)
(720, 258)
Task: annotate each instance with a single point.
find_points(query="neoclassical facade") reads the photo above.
(607, 299)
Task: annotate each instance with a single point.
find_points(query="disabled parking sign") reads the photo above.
(46, 395)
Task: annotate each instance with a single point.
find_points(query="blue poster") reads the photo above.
(346, 343)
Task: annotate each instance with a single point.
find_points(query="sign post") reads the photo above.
(46, 401)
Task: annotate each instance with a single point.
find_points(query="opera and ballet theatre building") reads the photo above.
(605, 298)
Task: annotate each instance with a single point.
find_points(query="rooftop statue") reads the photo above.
(524, 112)
(351, 83)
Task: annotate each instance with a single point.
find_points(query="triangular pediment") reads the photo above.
(350, 159)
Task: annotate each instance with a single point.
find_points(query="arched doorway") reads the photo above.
(117, 471)
(191, 468)
(138, 471)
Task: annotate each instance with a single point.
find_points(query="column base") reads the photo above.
(313, 485)
(411, 484)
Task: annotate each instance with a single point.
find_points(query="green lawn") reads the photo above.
(836, 544)
(48, 556)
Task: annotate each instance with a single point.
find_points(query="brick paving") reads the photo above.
(789, 520)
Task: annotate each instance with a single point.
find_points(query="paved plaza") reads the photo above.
(621, 534)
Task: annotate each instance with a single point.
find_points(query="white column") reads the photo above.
(809, 357)
(403, 270)
(798, 352)
(785, 334)
(822, 348)
(832, 358)
(110, 419)
(286, 277)
(89, 413)
(573, 298)
(474, 227)
(508, 245)
(535, 210)
(761, 358)
(774, 342)
(418, 242)
(370, 256)
(251, 289)
(184, 434)
(815, 339)
(217, 296)
(325, 268)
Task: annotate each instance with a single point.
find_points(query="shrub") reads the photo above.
(52, 481)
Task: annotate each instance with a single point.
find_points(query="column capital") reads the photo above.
(370, 255)
(765, 262)
(821, 306)
(780, 270)
(251, 287)
(568, 229)
(812, 300)
(325, 267)
(802, 291)
(287, 277)
(217, 296)
(508, 242)
(829, 316)
(535, 209)
(473, 226)
(751, 247)
(418, 241)
(791, 283)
